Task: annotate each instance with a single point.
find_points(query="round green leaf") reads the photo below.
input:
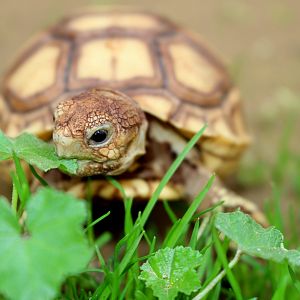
(171, 271)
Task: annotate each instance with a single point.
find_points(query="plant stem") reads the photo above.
(14, 200)
(42, 181)
(219, 277)
(202, 227)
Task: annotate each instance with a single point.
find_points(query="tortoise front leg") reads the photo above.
(195, 179)
(186, 183)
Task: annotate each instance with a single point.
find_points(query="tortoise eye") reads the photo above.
(99, 136)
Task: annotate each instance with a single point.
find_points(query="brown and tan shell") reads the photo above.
(167, 70)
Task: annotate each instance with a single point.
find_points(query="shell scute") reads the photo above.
(115, 62)
(38, 76)
(194, 74)
(112, 22)
(169, 72)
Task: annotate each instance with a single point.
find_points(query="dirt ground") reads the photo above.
(259, 40)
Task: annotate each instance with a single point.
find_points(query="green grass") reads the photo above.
(116, 275)
(269, 280)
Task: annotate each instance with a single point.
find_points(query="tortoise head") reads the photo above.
(104, 130)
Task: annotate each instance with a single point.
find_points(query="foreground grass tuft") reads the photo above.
(49, 248)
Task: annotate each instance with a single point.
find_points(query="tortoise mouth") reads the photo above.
(91, 168)
(88, 164)
(67, 147)
(70, 148)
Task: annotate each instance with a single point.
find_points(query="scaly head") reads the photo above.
(104, 130)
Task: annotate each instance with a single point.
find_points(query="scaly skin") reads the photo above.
(76, 120)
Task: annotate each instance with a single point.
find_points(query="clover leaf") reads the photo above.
(35, 258)
(36, 152)
(255, 240)
(171, 271)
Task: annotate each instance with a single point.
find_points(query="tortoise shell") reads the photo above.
(166, 69)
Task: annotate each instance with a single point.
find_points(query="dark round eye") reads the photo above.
(99, 136)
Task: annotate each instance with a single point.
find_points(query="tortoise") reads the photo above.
(122, 91)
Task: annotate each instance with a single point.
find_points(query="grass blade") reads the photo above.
(222, 255)
(205, 211)
(103, 239)
(97, 220)
(193, 241)
(118, 186)
(126, 260)
(128, 222)
(170, 212)
(188, 215)
(150, 205)
(295, 281)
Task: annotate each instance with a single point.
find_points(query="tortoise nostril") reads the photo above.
(67, 132)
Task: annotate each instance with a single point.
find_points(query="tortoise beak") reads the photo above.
(66, 147)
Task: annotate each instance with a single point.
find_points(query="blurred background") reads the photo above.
(259, 41)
